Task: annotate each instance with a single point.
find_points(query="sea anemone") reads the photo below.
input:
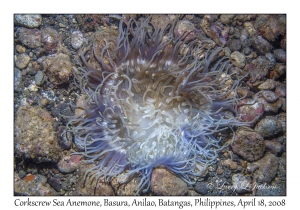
(157, 103)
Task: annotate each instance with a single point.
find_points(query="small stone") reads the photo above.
(261, 45)
(269, 84)
(34, 135)
(278, 71)
(229, 164)
(20, 49)
(30, 37)
(219, 170)
(30, 21)
(35, 187)
(33, 88)
(250, 28)
(267, 168)
(69, 164)
(58, 69)
(17, 79)
(76, 39)
(32, 68)
(248, 143)
(280, 55)
(79, 111)
(273, 146)
(61, 25)
(65, 138)
(201, 187)
(39, 78)
(269, 96)
(165, 183)
(50, 39)
(237, 59)
(225, 19)
(280, 91)
(269, 107)
(235, 45)
(241, 183)
(22, 60)
(250, 111)
(268, 127)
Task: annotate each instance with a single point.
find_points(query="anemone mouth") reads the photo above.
(157, 103)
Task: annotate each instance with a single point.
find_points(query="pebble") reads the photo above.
(280, 55)
(65, 138)
(39, 78)
(32, 68)
(35, 187)
(225, 19)
(248, 143)
(34, 135)
(22, 60)
(278, 71)
(69, 164)
(269, 84)
(87, 186)
(235, 45)
(59, 68)
(201, 187)
(261, 45)
(267, 168)
(30, 37)
(33, 88)
(20, 49)
(251, 111)
(269, 96)
(50, 39)
(241, 183)
(76, 39)
(250, 28)
(17, 79)
(183, 27)
(237, 59)
(229, 164)
(273, 146)
(280, 91)
(269, 107)
(268, 127)
(30, 21)
(165, 183)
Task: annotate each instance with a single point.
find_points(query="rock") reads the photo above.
(30, 37)
(165, 183)
(185, 27)
(22, 60)
(249, 144)
(229, 164)
(88, 186)
(267, 168)
(34, 135)
(17, 80)
(76, 39)
(201, 187)
(273, 146)
(280, 55)
(65, 138)
(269, 96)
(241, 183)
(58, 69)
(234, 45)
(69, 164)
(38, 186)
(20, 49)
(268, 127)
(261, 45)
(237, 59)
(32, 68)
(250, 111)
(278, 71)
(280, 91)
(30, 21)
(269, 84)
(225, 19)
(39, 78)
(129, 188)
(50, 39)
(250, 28)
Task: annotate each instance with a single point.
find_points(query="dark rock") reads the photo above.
(248, 144)
(261, 45)
(201, 187)
(280, 55)
(268, 127)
